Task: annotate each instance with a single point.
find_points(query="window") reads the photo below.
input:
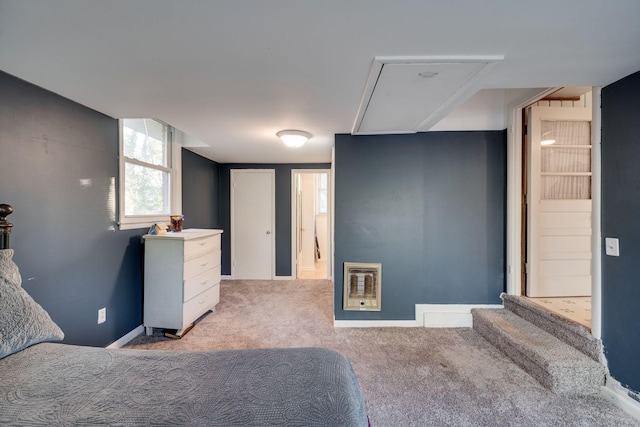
(148, 184)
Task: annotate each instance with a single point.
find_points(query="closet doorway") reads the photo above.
(558, 188)
(311, 224)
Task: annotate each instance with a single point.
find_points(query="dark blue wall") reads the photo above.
(58, 168)
(200, 191)
(283, 210)
(431, 208)
(621, 219)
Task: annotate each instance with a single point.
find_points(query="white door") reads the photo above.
(252, 223)
(559, 202)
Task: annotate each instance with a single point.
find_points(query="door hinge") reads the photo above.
(526, 268)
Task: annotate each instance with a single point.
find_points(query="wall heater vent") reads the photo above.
(362, 286)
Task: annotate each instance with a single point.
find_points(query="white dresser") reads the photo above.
(181, 278)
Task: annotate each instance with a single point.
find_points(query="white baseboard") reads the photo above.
(375, 323)
(448, 315)
(225, 277)
(125, 339)
(427, 315)
(617, 394)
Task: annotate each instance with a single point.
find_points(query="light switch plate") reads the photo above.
(612, 246)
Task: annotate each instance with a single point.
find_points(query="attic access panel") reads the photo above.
(407, 95)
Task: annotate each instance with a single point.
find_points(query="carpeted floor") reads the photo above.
(408, 376)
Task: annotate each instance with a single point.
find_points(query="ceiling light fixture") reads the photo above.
(294, 138)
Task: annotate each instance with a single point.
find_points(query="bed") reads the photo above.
(44, 382)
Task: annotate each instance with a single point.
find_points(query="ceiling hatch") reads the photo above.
(407, 95)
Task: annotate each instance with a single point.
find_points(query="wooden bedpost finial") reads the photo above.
(5, 226)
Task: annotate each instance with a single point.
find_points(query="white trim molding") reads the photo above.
(617, 394)
(375, 323)
(514, 186)
(126, 338)
(427, 316)
(448, 315)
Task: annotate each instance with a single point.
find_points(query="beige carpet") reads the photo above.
(408, 376)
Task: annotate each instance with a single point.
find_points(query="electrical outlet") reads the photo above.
(102, 315)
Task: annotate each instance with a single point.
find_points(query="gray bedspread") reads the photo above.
(58, 384)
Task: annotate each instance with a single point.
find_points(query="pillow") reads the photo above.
(23, 322)
(8, 269)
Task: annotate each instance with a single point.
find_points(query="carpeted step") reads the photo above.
(566, 330)
(555, 364)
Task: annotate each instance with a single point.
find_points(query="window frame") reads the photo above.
(174, 157)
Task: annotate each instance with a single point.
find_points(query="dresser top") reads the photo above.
(186, 234)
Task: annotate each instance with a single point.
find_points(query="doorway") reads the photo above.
(252, 224)
(311, 224)
(557, 192)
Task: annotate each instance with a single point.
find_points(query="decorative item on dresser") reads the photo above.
(181, 279)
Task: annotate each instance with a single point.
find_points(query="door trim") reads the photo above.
(514, 198)
(294, 245)
(272, 177)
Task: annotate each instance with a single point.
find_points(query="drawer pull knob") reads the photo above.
(202, 265)
(204, 283)
(203, 243)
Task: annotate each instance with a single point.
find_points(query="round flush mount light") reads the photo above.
(427, 74)
(294, 138)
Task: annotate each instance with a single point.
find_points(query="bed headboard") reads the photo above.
(5, 226)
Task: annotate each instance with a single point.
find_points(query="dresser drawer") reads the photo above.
(199, 265)
(201, 282)
(199, 304)
(194, 247)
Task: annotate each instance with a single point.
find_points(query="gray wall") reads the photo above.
(283, 210)
(431, 208)
(621, 219)
(200, 191)
(58, 168)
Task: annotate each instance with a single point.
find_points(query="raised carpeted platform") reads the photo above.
(562, 328)
(558, 366)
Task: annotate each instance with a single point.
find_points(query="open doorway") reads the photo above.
(557, 194)
(311, 224)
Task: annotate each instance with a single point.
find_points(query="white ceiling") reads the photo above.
(232, 73)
